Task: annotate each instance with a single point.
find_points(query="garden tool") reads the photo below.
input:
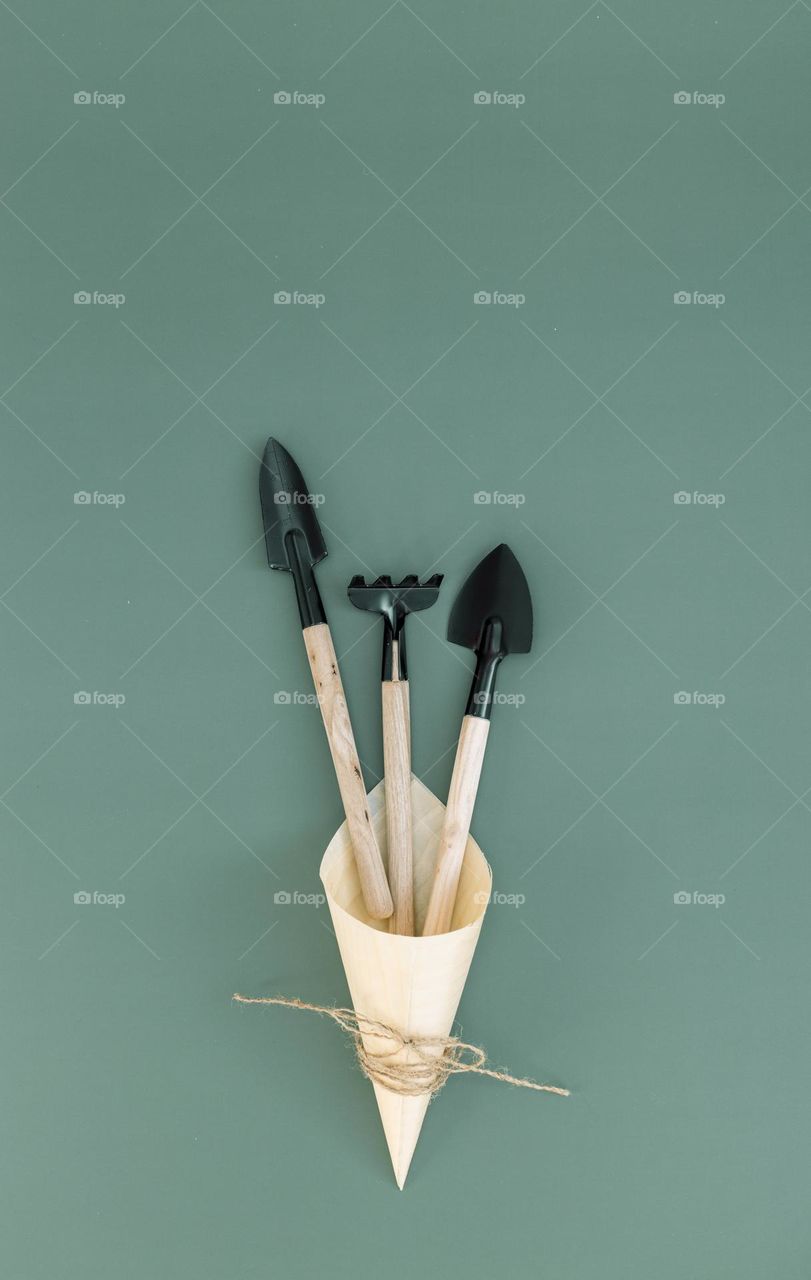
(394, 603)
(295, 545)
(492, 615)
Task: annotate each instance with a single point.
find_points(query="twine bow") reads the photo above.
(429, 1060)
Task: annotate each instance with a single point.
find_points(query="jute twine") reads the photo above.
(430, 1059)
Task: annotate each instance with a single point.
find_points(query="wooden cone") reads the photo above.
(414, 984)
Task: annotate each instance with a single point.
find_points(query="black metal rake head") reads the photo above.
(394, 601)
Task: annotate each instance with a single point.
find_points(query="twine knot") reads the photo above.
(427, 1061)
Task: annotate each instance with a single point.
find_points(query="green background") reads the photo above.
(154, 1129)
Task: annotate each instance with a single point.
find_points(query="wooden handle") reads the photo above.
(335, 714)
(458, 813)
(397, 763)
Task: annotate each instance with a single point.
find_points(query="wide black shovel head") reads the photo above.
(497, 590)
(287, 506)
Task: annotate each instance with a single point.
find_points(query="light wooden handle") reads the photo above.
(335, 714)
(397, 764)
(458, 813)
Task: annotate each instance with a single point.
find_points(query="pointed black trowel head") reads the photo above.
(288, 507)
(495, 591)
